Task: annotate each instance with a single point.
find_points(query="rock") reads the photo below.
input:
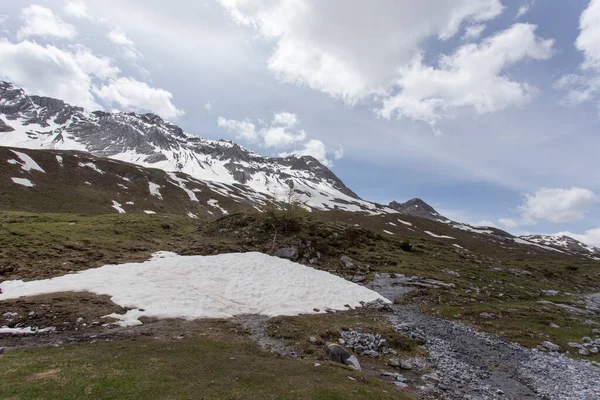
(352, 362)
(347, 262)
(312, 339)
(551, 346)
(485, 315)
(550, 292)
(587, 339)
(593, 350)
(337, 353)
(401, 385)
(2, 349)
(341, 341)
(589, 322)
(584, 352)
(597, 342)
(406, 364)
(575, 345)
(553, 325)
(394, 362)
(289, 253)
(31, 313)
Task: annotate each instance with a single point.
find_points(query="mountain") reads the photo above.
(36, 122)
(418, 208)
(564, 243)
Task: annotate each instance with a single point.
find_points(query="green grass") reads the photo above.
(34, 246)
(190, 368)
(296, 331)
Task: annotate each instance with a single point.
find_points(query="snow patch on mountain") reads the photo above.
(23, 182)
(27, 163)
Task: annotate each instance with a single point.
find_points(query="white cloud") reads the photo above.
(554, 205)
(509, 223)
(286, 119)
(339, 153)
(133, 94)
(119, 38)
(278, 134)
(41, 21)
(580, 88)
(337, 46)
(524, 9)
(76, 8)
(314, 148)
(473, 32)
(126, 45)
(244, 129)
(590, 237)
(208, 106)
(280, 137)
(50, 71)
(588, 40)
(471, 77)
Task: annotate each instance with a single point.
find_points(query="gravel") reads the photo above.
(467, 364)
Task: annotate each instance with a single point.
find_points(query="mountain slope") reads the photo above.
(51, 181)
(44, 123)
(564, 243)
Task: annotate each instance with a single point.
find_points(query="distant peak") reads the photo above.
(417, 208)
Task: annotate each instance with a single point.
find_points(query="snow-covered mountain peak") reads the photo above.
(148, 140)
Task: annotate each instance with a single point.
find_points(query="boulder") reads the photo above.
(551, 346)
(289, 253)
(337, 353)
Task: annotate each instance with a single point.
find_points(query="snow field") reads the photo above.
(194, 287)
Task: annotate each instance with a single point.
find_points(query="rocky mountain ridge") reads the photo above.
(564, 243)
(45, 123)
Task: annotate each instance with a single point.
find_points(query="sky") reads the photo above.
(489, 110)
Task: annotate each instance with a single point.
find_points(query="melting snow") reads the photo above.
(215, 204)
(458, 245)
(438, 236)
(60, 160)
(92, 166)
(192, 215)
(388, 232)
(193, 287)
(392, 224)
(23, 182)
(181, 183)
(154, 189)
(405, 223)
(118, 207)
(25, 331)
(150, 212)
(28, 163)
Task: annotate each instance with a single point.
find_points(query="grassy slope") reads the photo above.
(225, 367)
(43, 245)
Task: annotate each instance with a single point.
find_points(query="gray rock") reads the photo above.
(575, 345)
(348, 263)
(394, 362)
(593, 350)
(337, 353)
(289, 253)
(584, 352)
(587, 339)
(551, 346)
(485, 315)
(406, 364)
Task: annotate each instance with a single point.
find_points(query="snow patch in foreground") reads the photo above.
(25, 331)
(193, 287)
